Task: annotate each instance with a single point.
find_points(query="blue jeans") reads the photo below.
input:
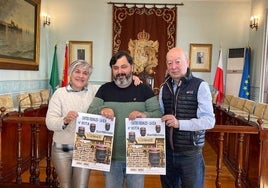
(117, 176)
(186, 169)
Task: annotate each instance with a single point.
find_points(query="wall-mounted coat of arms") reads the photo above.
(144, 53)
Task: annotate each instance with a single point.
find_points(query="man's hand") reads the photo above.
(136, 114)
(170, 121)
(108, 113)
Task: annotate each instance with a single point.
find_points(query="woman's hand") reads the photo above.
(137, 80)
(71, 115)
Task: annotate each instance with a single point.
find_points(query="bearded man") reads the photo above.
(122, 99)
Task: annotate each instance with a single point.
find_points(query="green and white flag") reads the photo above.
(54, 76)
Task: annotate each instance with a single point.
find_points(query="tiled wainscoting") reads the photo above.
(15, 87)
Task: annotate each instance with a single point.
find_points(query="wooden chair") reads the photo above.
(233, 101)
(258, 112)
(239, 109)
(237, 104)
(36, 99)
(226, 101)
(265, 117)
(45, 95)
(7, 102)
(240, 103)
(247, 109)
(249, 106)
(24, 101)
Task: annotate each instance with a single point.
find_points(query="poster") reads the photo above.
(145, 146)
(93, 142)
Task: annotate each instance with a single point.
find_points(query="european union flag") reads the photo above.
(244, 91)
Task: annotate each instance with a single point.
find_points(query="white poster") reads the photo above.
(93, 142)
(145, 146)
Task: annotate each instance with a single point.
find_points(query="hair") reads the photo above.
(80, 63)
(120, 54)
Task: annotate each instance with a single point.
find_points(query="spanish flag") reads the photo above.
(65, 78)
(218, 81)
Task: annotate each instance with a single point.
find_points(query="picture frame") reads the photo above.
(200, 57)
(80, 50)
(20, 35)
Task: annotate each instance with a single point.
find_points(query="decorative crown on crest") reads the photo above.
(143, 35)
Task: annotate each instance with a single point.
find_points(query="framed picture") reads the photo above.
(20, 34)
(200, 57)
(80, 50)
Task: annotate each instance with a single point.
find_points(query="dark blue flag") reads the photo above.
(244, 91)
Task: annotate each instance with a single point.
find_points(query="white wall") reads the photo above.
(257, 43)
(198, 22)
(221, 23)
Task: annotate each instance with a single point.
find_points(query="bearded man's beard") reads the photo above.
(123, 80)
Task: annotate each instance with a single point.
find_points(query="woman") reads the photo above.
(63, 109)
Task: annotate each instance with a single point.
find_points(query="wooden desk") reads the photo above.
(23, 142)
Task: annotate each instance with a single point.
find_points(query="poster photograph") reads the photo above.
(93, 142)
(145, 146)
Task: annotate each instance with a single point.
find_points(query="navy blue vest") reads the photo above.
(183, 104)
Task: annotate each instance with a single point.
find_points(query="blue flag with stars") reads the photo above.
(244, 91)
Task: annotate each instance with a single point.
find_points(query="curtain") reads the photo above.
(147, 34)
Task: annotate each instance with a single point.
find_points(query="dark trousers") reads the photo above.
(184, 169)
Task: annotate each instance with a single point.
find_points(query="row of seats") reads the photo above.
(24, 100)
(250, 110)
